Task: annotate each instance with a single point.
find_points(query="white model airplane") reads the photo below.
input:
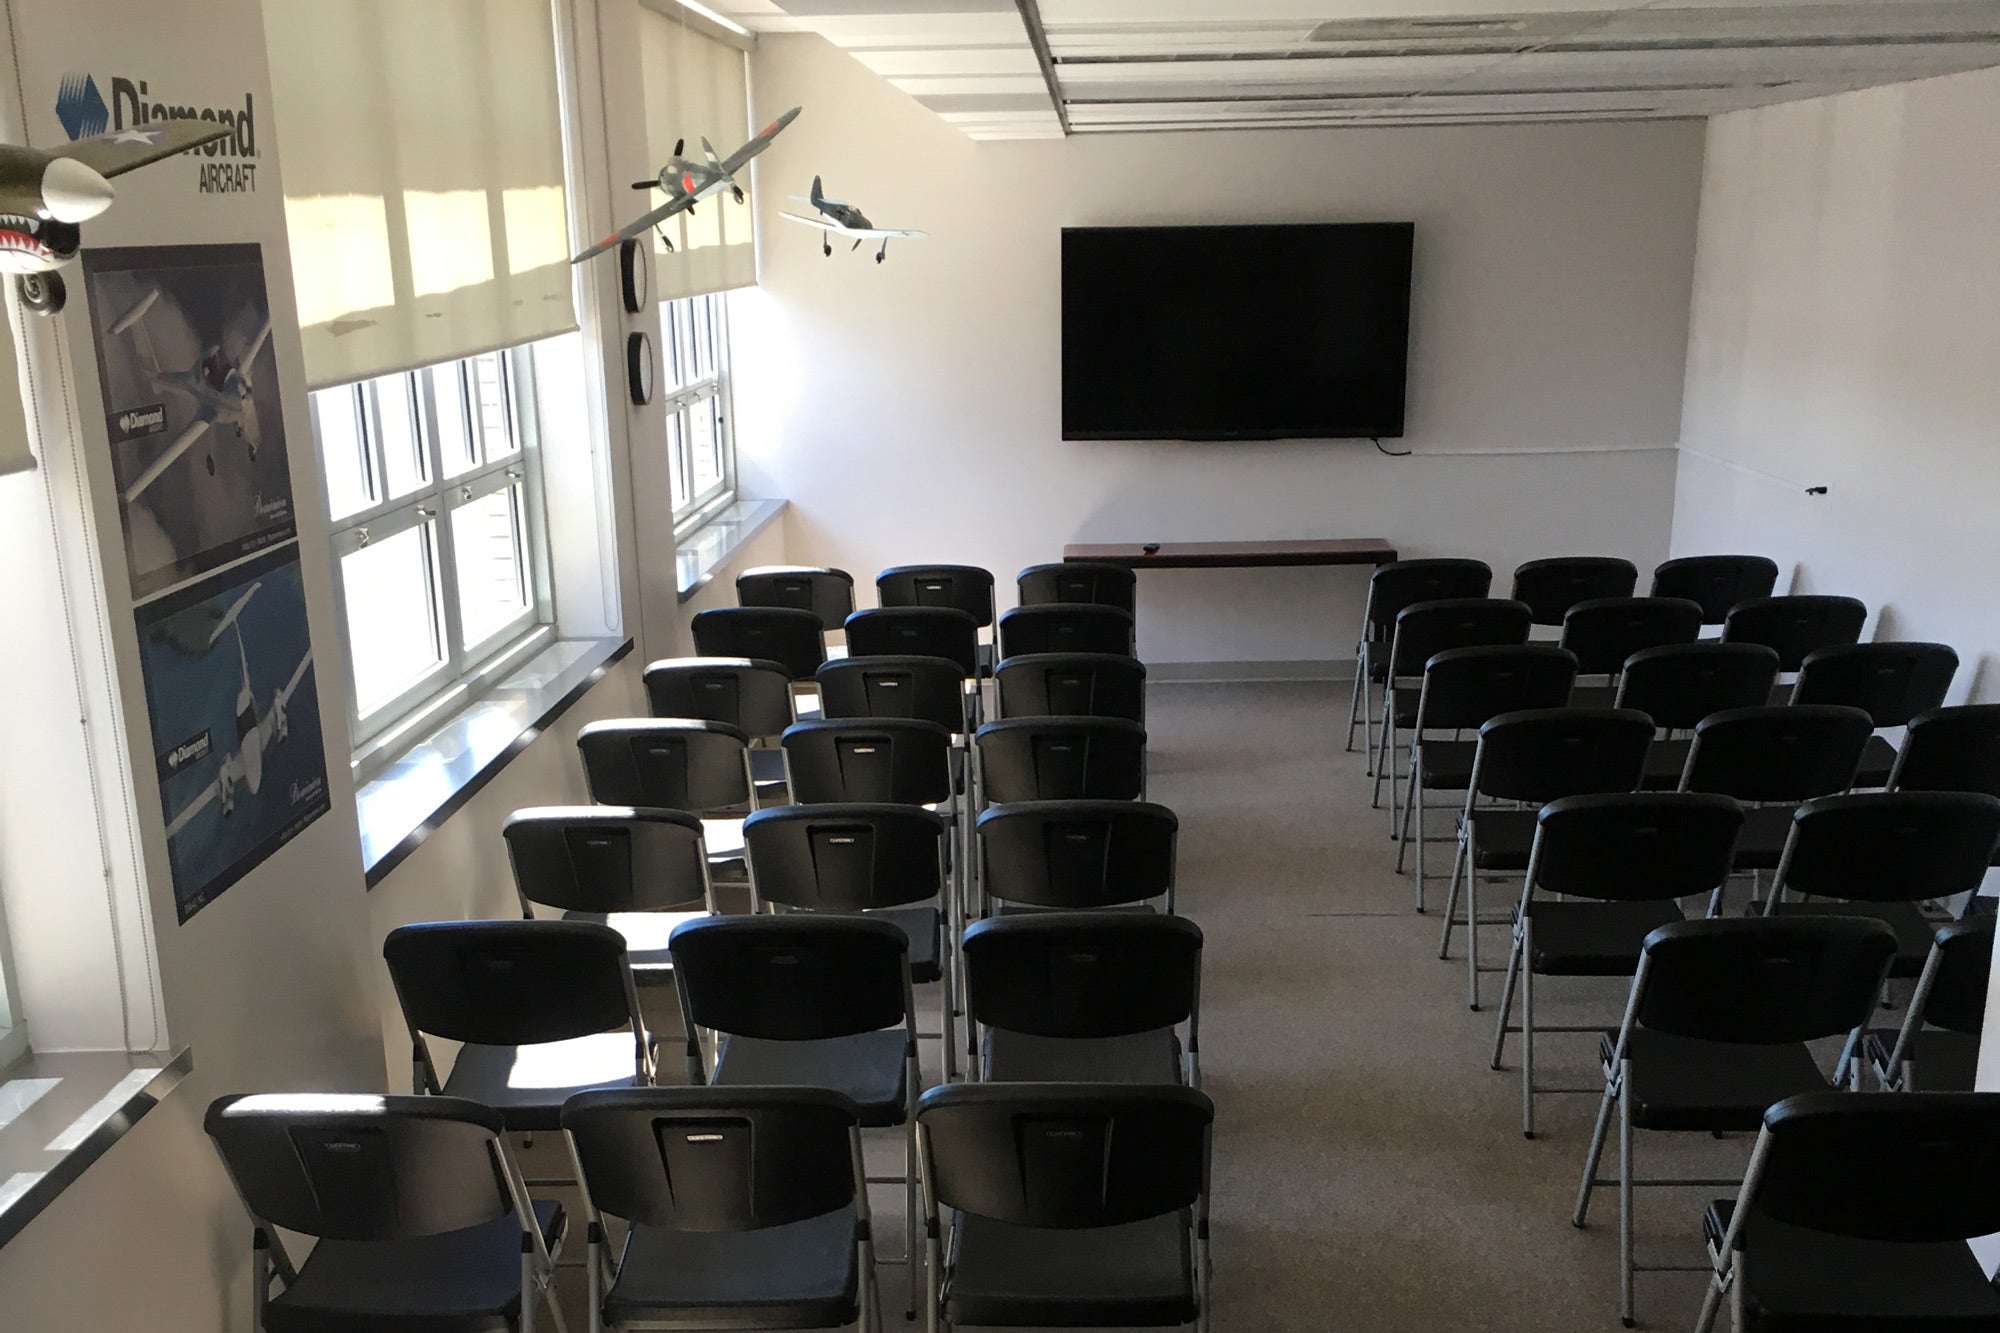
(687, 182)
(838, 217)
(219, 385)
(256, 730)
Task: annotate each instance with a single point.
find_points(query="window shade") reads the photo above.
(421, 147)
(696, 88)
(15, 456)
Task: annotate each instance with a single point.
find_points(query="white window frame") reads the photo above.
(684, 388)
(13, 1027)
(463, 667)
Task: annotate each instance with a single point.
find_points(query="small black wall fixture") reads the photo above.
(639, 367)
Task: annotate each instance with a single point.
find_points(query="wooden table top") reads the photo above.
(1236, 555)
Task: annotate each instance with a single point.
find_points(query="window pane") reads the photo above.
(392, 615)
(349, 474)
(402, 447)
(489, 380)
(705, 445)
(454, 429)
(492, 576)
(677, 458)
(704, 338)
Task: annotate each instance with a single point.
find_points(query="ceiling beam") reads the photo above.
(1038, 37)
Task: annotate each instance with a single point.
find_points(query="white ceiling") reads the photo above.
(1143, 65)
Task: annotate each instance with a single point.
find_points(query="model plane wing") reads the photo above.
(735, 161)
(858, 233)
(120, 151)
(194, 431)
(639, 226)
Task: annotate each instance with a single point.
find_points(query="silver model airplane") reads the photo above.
(687, 182)
(219, 386)
(256, 729)
(45, 195)
(837, 217)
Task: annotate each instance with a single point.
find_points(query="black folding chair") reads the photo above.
(808, 1000)
(703, 768)
(1771, 758)
(1078, 854)
(1071, 1206)
(1391, 588)
(1090, 581)
(1605, 631)
(1085, 997)
(1855, 1213)
(544, 1009)
(1715, 1031)
(1554, 586)
(827, 593)
(418, 1213)
(747, 1208)
(792, 638)
(640, 871)
(916, 631)
(1937, 1048)
(930, 689)
(1718, 582)
(1795, 626)
(1422, 632)
(1065, 627)
(755, 697)
(1677, 685)
(1072, 685)
(1529, 758)
(1950, 749)
(1631, 857)
(1062, 759)
(1891, 682)
(966, 588)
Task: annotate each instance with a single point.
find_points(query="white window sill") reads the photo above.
(712, 545)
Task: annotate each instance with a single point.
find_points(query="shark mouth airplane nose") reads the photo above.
(72, 192)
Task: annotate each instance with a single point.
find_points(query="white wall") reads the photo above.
(911, 412)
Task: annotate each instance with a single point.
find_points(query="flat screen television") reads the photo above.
(1235, 332)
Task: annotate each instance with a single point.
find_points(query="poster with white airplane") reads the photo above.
(191, 406)
(232, 695)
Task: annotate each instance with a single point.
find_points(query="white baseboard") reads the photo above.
(1210, 673)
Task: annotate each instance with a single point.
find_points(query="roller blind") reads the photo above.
(421, 147)
(697, 87)
(15, 456)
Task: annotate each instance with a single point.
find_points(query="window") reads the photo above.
(433, 485)
(694, 378)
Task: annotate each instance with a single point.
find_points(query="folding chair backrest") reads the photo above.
(1083, 974)
(1636, 846)
(754, 697)
(1078, 581)
(714, 1159)
(845, 857)
(1765, 981)
(802, 976)
(1777, 752)
(1062, 759)
(916, 631)
(1426, 629)
(1540, 754)
(1065, 628)
(897, 759)
(1718, 582)
(1891, 682)
(1795, 626)
(1464, 687)
(510, 983)
(1072, 685)
(827, 593)
(667, 764)
(1066, 1155)
(1891, 846)
(1078, 853)
(597, 858)
(968, 588)
(1957, 999)
(352, 1167)
(1554, 586)
(1679, 684)
(1607, 630)
(1393, 587)
(930, 689)
(1900, 1167)
(1951, 749)
(792, 638)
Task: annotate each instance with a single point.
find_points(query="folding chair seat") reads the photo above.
(419, 1215)
(1854, 1215)
(1065, 627)
(703, 768)
(1532, 756)
(1087, 581)
(641, 872)
(748, 1208)
(1552, 587)
(827, 593)
(1772, 757)
(1891, 682)
(1677, 685)
(1603, 632)
(966, 588)
(1795, 626)
(1937, 1049)
(1073, 1205)
(786, 635)
(1062, 759)
(1627, 859)
(1422, 631)
(755, 697)
(1086, 997)
(1463, 688)
(1391, 588)
(1718, 582)
(1072, 685)
(1078, 854)
(544, 1009)
(1716, 1030)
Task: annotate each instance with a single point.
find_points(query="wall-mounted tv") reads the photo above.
(1235, 332)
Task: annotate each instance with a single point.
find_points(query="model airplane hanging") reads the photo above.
(44, 196)
(837, 217)
(219, 385)
(687, 182)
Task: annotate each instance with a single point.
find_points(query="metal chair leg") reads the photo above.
(1514, 958)
(1625, 1188)
(1613, 1091)
(1524, 953)
(1354, 709)
(1472, 937)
